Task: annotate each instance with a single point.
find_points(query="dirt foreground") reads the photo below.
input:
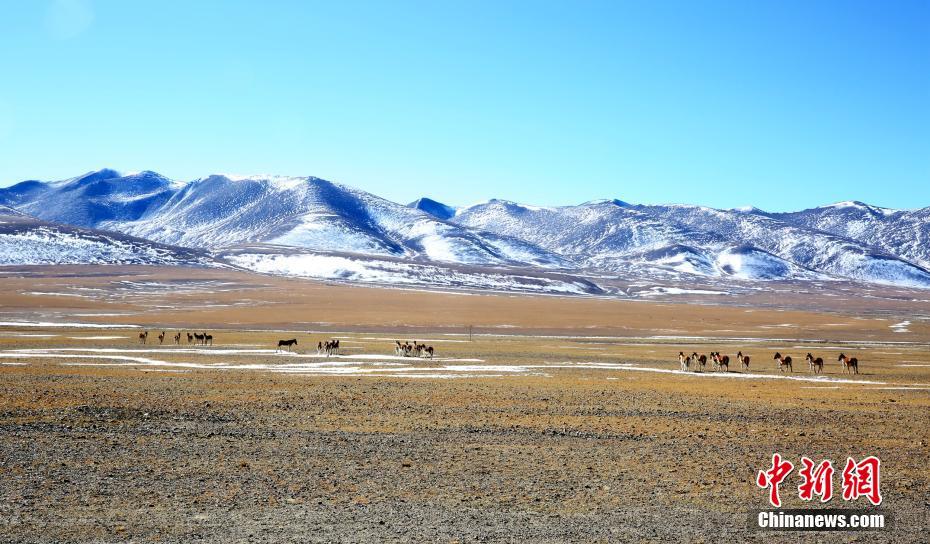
(563, 420)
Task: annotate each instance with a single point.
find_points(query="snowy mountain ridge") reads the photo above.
(848, 240)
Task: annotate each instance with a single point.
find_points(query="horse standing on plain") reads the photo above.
(161, 338)
(783, 362)
(190, 338)
(815, 365)
(207, 338)
(143, 336)
(701, 359)
(683, 361)
(721, 361)
(849, 363)
(428, 350)
(744, 360)
(404, 349)
(198, 337)
(177, 339)
(286, 344)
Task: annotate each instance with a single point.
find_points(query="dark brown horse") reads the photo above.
(177, 339)
(287, 343)
(701, 359)
(161, 337)
(815, 365)
(849, 363)
(207, 339)
(143, 336)
(720, 361)
(198, 337)
(190, 338)
(744, 360)
(783, 362)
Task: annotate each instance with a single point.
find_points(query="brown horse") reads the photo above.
(161, 338)
(428, 350)
(177, 339)
(190, 338)
(287, 343)
(849, 363)
(720, 361)
(198, 337)
(815, 365)
(783, 362)
(701, 359)
(143, 336)
(744, 360)
(207, 339)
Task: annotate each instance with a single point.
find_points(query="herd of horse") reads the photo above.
(327, 347)
(198, 337)
(415, 349)
(722, 362)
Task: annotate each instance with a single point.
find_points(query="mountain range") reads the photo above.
(313, 227)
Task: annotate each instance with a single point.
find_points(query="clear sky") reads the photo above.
(780, 104)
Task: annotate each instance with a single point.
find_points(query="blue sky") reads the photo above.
(782, 105)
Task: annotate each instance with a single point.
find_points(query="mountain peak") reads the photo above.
(433, 207)
(614, 201)
(89, 177)
(855, 204)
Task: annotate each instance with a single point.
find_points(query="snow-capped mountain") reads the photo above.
(91, 199)
(25, 240)
(809, 248)
(222, 211)
(607, 237)
(904, 233)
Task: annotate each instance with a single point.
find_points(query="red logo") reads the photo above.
(773, 477)
(862, 479)
(817, 481)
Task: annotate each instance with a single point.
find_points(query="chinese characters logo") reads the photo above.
(860, 479)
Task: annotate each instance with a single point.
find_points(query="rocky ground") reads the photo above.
(161, 454)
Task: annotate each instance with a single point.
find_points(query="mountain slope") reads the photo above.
(91, 199)
(221, 211)
(904, 233)
(26, 240)
(608, 235)
(809, 248)
(436, 209)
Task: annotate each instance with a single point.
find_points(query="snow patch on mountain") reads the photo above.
(390, 272)
(28, 241)
(748, 263)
